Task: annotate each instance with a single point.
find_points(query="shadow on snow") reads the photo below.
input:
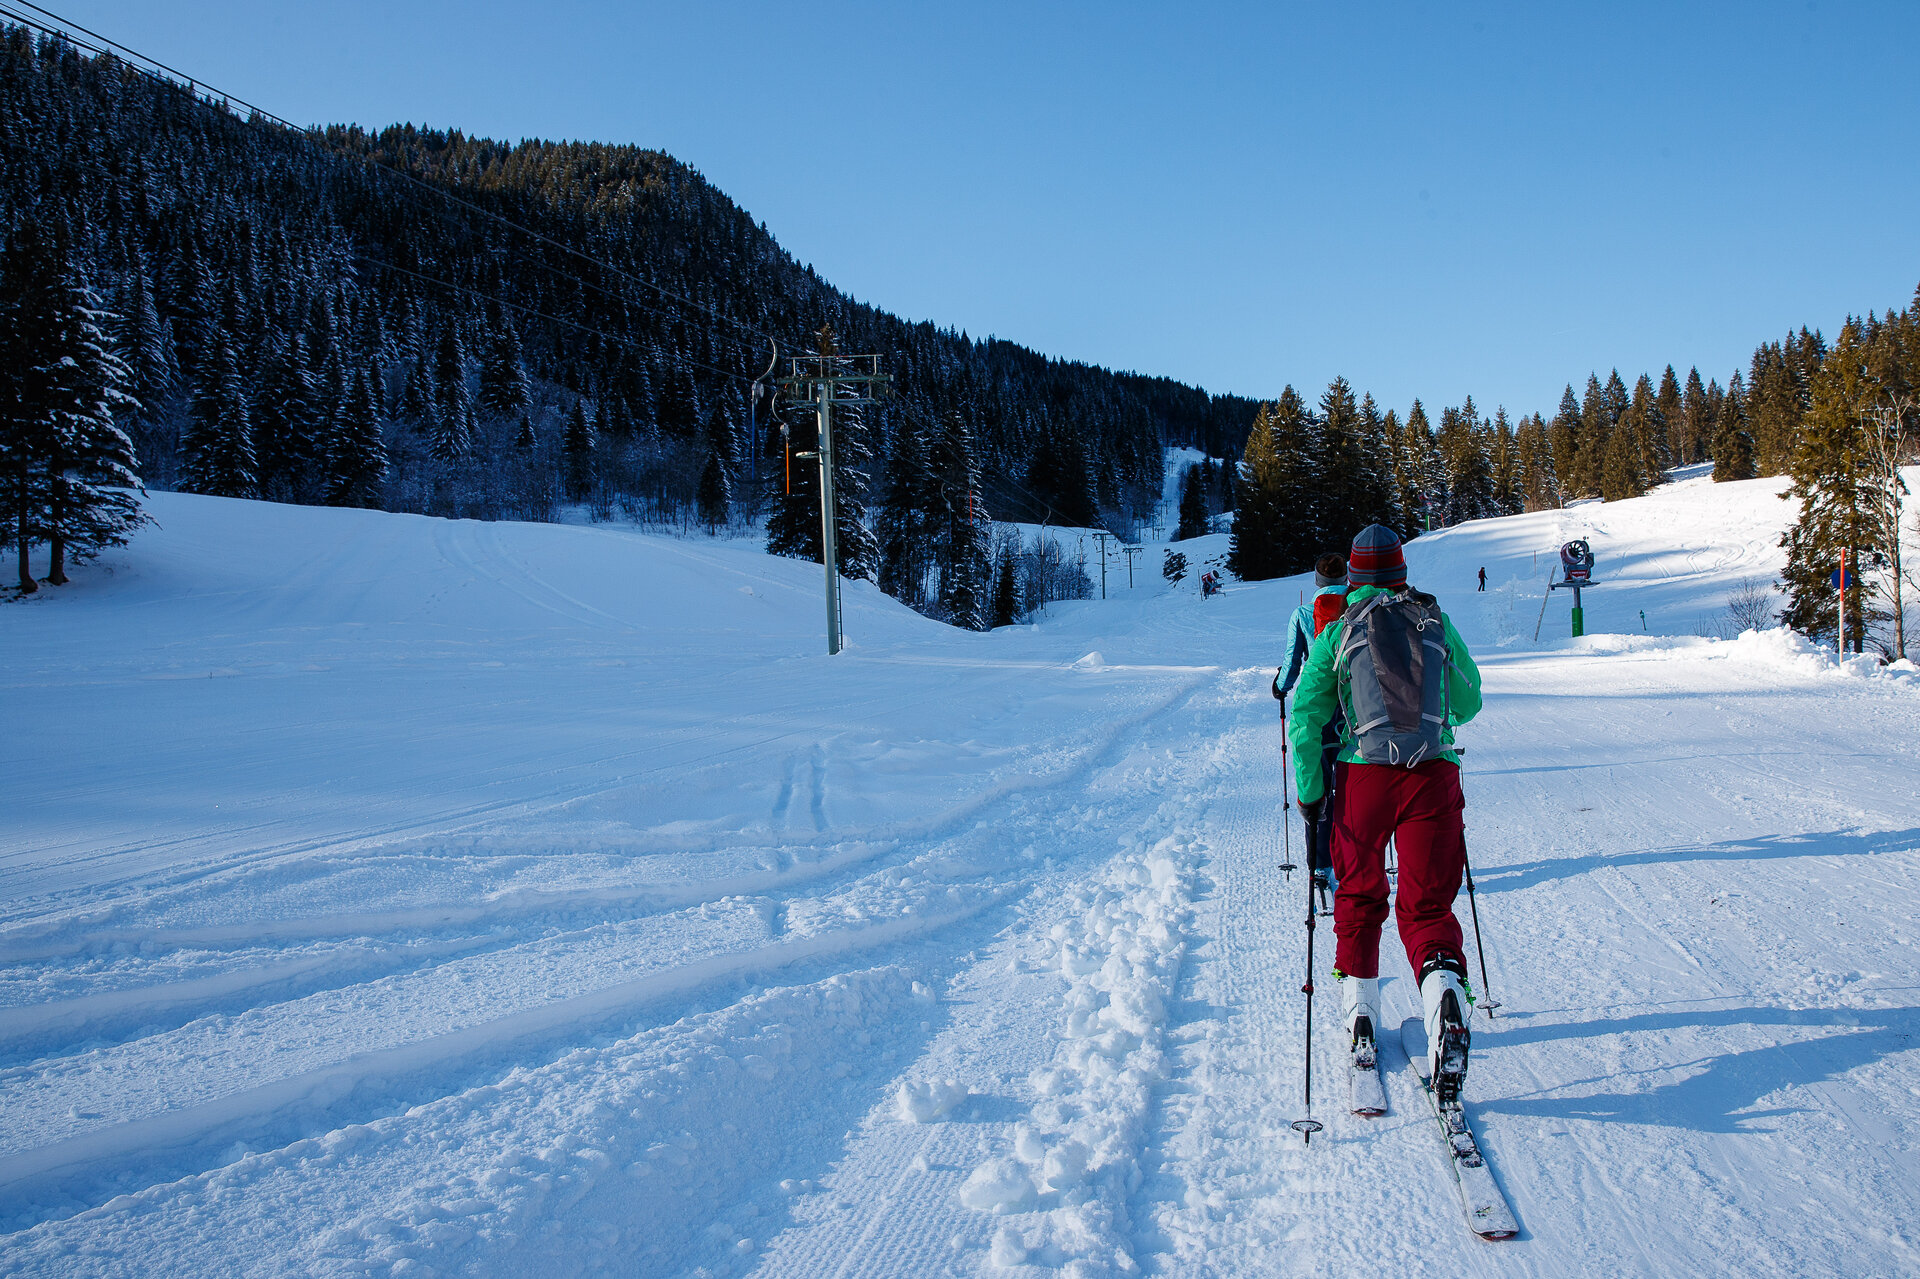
(1718, 1098)
(1518, 875)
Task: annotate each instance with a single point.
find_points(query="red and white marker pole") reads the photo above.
(1843, 603)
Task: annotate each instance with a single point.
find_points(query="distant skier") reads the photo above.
(1329, 601)
(1483, 579)
(1398, 672)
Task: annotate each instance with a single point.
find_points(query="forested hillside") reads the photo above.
(1841, 420)
(310, 317)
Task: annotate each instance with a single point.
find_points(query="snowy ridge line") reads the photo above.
(32, 943)
(632, 1143)
(1074, 1163)
(235, 1116)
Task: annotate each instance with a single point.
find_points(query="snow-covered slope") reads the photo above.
(388, 895)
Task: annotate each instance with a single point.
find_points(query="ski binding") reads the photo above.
(1364, 1089)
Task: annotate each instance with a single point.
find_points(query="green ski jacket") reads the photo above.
(1322, 690)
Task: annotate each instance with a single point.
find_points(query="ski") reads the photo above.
(1488, 1213)
(1364, 1089)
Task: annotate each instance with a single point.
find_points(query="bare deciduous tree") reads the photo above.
(1750, 607)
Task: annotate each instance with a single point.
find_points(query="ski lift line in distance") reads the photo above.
(194, 86)
(584, 328)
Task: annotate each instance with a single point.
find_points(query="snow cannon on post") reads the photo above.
(1576, 567)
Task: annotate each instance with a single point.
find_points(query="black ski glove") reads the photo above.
(1278, 673)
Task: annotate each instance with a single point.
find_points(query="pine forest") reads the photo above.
(421, 321)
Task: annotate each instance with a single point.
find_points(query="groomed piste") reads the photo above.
(387, 895)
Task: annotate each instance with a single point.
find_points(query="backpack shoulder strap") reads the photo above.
(1354, 638)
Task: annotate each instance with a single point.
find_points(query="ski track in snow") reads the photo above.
(394, 896)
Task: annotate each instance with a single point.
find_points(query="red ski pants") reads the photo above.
(1420, 808)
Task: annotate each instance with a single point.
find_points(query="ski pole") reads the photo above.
(1286, 800)
(1308, 1126)
(1473, 905)
(1321, 822)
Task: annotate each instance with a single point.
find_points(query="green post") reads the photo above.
(1579, 622)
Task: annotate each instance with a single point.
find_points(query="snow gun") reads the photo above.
(1576, 566)
(1576, 559)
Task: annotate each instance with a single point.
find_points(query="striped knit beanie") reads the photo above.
(1376, 558)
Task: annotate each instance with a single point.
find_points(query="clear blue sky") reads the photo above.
(1435, 199)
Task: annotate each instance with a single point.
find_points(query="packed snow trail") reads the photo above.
(387, 895)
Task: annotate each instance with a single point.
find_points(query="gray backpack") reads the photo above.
(1394, 650)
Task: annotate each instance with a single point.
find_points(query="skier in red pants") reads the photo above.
(1401, 673)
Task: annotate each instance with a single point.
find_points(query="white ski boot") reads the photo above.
(1361, 999)
(1443, 992)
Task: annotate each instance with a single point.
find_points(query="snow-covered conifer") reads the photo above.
(288, 448)
(69, 468)
(963, 552)
(504, 390)
(715, 494)
(580, 440)
(453, 408)
(219, 441)
(1834, 484)
(357, 453)
(902, 519)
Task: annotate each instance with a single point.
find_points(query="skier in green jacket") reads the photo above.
(1419, 807)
